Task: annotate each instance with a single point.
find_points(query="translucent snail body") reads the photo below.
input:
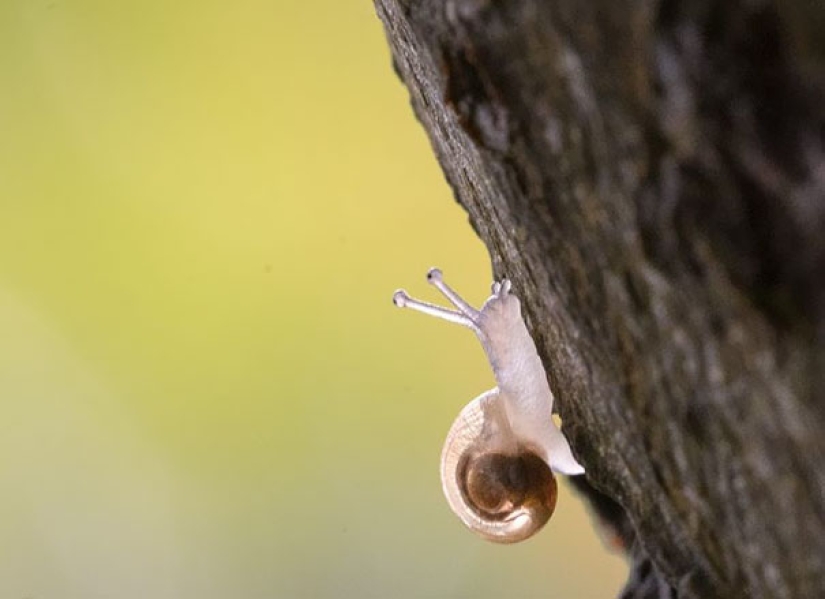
(498, 460)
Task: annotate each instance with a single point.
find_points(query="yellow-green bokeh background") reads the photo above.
(205, 391)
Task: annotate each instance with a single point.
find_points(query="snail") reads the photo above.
(498, 460)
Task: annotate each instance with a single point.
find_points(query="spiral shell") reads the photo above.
(502, 490)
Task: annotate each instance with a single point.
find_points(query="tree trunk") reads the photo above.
(651, 176)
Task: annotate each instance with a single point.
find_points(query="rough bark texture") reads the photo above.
(651, 175)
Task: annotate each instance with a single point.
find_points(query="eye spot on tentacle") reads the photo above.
(399, 298)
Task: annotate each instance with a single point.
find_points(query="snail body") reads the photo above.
(498, 460)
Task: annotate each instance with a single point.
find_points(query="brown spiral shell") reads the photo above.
(500, 489)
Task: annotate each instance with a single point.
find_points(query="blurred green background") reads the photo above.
(205, 391)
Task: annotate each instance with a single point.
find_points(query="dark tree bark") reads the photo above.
(651, 175)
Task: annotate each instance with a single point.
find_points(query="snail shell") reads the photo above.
(502, 490)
